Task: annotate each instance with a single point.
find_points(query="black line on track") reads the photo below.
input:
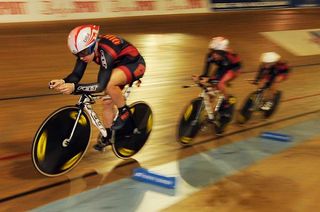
(295, 66)
(44, 95)
(27, 97)
(90, 174)
(254, 127)
(45, 187)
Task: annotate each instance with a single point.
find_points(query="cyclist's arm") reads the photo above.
(77, 72)
(259, 75)
(208, 61)
(102, 81)
(104, 75)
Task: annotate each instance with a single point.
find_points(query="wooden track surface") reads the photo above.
(174, 48)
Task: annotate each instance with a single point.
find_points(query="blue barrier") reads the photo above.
(260, 4)
(248, 4)
(143, 175)
(276, 136)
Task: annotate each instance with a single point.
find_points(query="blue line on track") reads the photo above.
(193, 173)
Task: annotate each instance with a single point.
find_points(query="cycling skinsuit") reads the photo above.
(228, 68)
(112, 52)
(278, 70)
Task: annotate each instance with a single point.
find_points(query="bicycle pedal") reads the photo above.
(194, 122)
(203, 128)
(210, 121)
(127, 136)
(100, 148)
(219, 134)
(136, 131)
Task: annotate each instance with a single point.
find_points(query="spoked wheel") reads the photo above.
(132, 137)
(276, 102)
(190, 122)
(246, 111)
(52, 153)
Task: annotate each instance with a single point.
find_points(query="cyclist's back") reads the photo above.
(119, 49)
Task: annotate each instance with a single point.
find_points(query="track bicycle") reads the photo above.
(63, 138)
(253, 105)
(199, 112)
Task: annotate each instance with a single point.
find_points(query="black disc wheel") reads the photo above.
(190, 122)
(130, 139)
(52, 153)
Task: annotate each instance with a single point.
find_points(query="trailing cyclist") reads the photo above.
(228, 67)
(272, 71)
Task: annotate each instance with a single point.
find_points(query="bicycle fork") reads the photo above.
(94, 118)
(66, 141)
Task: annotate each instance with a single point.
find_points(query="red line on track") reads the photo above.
(20, 155)
(301, 97)
(8, 157)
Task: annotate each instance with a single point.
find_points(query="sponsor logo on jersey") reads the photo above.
(103, 60)
(87, 88)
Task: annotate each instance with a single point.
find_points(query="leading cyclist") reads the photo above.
(120, 64)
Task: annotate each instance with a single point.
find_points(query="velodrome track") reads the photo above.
(174, 48)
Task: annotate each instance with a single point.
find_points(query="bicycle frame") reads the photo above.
(85, 103)
(205, 94)
(258, 100)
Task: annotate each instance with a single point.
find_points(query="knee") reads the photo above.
(107, 104)
(221, 85)
(111, 88)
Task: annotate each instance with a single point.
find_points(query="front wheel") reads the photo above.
(191, 120)
(52, 153)
(247, 109)
(276, 101)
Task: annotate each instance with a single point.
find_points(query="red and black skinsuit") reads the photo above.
(279, 70)
(228, 67)
(112, 52)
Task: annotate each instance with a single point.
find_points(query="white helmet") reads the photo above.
(270, 57)
(82, 37)
(219, 43)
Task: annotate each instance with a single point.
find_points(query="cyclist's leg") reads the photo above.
(273, 89)
(108, 112)
(108, 115)
(272, 96)
(226, 78)
(117, 80)
(279, 79)
(122, 75)
(262, 84)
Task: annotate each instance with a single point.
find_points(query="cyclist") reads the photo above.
(228, 65)
(120, 64)
(271, 73)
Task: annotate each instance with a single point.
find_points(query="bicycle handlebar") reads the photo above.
(189, 86)
(203, 85)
